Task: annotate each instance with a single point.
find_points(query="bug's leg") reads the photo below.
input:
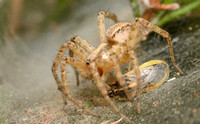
(77, 50)
(111, 77)
(138, 77)
(103, 91)
(164, 34)
(120, 78)
(79, 64)
(101, 24)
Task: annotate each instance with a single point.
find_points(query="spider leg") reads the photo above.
(101, 24)
(86, 46)
(83, 43)
(138, 77)
(71, 54)
(132, 42)
(86, 76)
(95, 53)
(164, 34)
(120, 78)
(77, 50)
(77, 63)
(102, 89)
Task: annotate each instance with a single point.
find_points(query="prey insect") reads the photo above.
(116, 48)
(153, 74)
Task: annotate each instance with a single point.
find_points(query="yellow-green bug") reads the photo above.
(153, 74)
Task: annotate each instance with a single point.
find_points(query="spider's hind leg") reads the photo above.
(164, 34)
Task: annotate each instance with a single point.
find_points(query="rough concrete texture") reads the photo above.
(28, 91)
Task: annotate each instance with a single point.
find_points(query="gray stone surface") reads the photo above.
(28, 92)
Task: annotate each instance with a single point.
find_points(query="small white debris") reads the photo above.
(171, 79)
(176, 39)
(24, 119)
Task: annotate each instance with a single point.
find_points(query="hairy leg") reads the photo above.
(77, 50)
(138, 77)
(121, 80)
(86, 76)
(83, 43)
(133, 39)
(86, 46)
(101, 24)
(65, 81)
(102, 89)
(164, 34)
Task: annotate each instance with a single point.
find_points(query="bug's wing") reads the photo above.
(152, 76)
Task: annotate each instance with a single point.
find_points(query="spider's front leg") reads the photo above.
(83, 43)
(101, 24)
(138, 77)
(87, 47)
(77, 50)
(120, 78)
(100, 84)
(77, 63)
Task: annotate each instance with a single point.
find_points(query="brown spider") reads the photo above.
(116, 48)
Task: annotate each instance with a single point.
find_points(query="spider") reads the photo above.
(116, 48)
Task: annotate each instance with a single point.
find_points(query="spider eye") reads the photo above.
(88, 62)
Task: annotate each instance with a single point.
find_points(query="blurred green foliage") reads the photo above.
(162, 17)
(37, 15)
(183, 10)
(135, 8)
